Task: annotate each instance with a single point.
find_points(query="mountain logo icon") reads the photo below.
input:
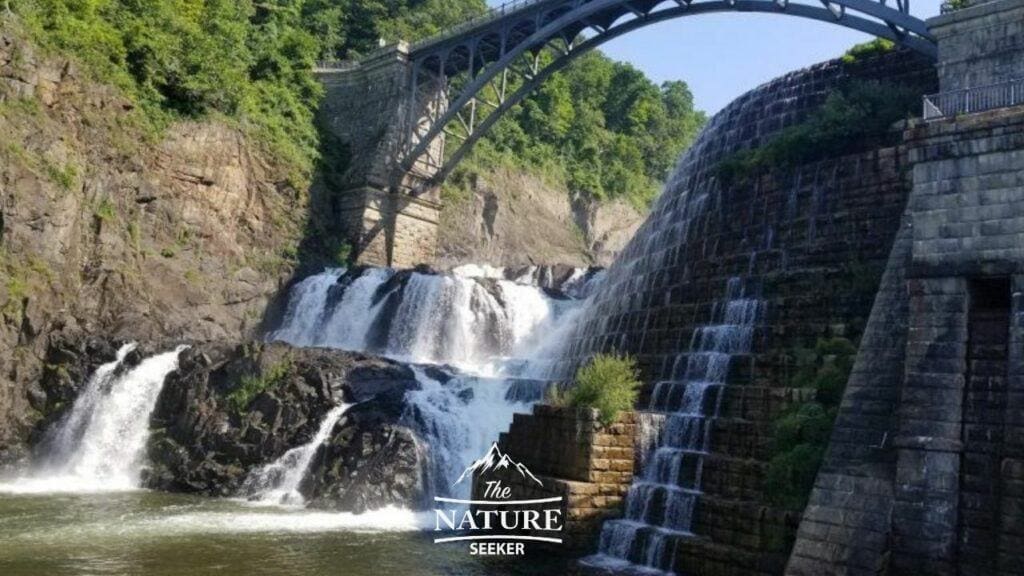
(495, 460)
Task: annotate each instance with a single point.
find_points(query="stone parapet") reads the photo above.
(573, 444)
(575, 457)
(980, 45)
(968, 201)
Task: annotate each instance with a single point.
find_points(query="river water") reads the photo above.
(156, 534)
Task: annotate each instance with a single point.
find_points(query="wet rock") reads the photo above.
(69, 362)
(229, 410)
(370, 460)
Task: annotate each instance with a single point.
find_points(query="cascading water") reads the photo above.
(499, 334)
(279, 481)
(100, 445)
(661, 502)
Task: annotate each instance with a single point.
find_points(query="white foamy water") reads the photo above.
(386, 519)
(501, 335)
(279, 481)
(100, 446)
(661, 502)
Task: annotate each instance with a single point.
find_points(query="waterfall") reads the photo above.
(100, 445)
(494, 331)
(459, 420)
(662, 500)
(63, 439)
(279, 481)
(461, 319)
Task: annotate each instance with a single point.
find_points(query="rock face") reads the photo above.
(509, 218)
(371, 459)
(231, 409)
(68, 365)
(108, 230)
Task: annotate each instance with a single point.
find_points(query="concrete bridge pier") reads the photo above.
(390, 216)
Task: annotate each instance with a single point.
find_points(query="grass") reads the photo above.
(22, 277)
(105, 211)
(64, 176)
(252, 386)
(135, 236)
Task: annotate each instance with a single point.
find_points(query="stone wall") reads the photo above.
(367, 111)
(968, 212)
(847, 520)
(923, 473)
(811, 243)
(980, 45)
(577, 458)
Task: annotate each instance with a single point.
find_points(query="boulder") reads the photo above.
(229, 410)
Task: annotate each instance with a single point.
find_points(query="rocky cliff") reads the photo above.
(111, 227)
(506, 217)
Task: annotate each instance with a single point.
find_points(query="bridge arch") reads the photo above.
(471, 64)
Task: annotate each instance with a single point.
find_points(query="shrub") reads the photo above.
(252, 386)
(105, 211)
(876, 47)
(607, 383)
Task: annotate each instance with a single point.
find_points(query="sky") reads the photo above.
(721, 56)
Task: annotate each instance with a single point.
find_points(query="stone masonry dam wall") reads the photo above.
(811, 243)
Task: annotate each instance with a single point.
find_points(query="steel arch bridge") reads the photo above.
(465, 79)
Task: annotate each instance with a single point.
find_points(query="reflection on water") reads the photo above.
(154, 534)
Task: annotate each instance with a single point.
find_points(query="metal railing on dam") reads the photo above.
(977, 99)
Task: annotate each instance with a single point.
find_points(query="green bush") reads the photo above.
(860, 52)
(607, 383)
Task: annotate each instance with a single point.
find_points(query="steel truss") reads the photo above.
(462, 81)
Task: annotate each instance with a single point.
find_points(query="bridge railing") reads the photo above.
(978, 99)
(335, 65)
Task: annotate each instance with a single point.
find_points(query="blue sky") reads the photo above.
(723, 55)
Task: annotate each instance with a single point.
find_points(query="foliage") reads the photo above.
(857, 115)
(20, 278)
(608, 383)
(253, 385)
(954, 5)
(189, 58)
(800, 436)
(601, 127)
(866, 50)
(64, 176)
